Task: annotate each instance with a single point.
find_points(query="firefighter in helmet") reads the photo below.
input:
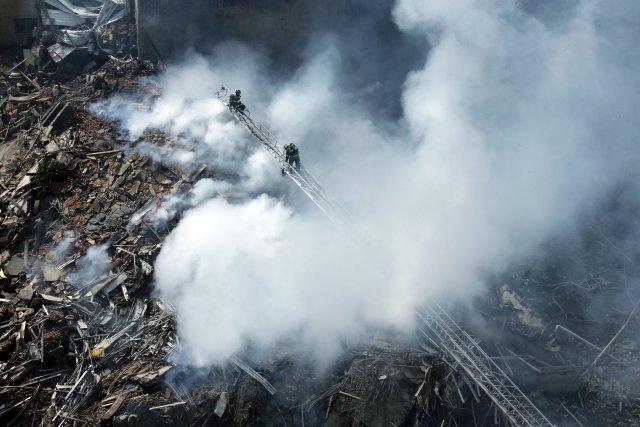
(292, 156)
(235, 103)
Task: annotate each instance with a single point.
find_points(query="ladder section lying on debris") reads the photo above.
(300, 176)
(452, 340)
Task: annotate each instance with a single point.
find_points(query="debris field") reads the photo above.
(83, 340)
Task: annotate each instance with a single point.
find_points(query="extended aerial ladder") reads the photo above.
(467, 354)
(300, 176)
(459, 347)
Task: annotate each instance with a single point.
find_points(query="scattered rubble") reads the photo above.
(83, 340)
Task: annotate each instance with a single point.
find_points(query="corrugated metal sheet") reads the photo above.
(58, 51)
(92, 15)
(76, 37)
(111, 12)
(65, 19)
(67, 6)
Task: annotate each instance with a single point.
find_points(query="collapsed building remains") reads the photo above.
(83, 340)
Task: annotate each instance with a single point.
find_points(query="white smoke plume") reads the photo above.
(64, 246)
(517, 122)
(173, 204)
(94, 264)
(206, 189)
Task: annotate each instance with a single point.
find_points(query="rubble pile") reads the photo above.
(83, 340)
(86, 28)
(385, 385)
(565, 325)
(77, 335)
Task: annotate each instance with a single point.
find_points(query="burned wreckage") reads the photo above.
(83, 341)
(91, 27)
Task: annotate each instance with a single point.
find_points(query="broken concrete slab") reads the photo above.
(15, 266)
(26, 293)
(51, 273)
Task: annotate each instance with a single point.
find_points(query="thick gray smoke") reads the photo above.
(519, 120)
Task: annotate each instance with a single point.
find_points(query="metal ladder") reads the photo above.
(452, 340)
(458, 345)
(301, 176)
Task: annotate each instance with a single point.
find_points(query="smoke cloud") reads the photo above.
(94, 264)
(519, 120)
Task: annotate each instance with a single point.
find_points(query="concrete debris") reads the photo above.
(51, 273)
(26, 293)
(221, 404)
(525, 316)
(78, 346)
(88, 347)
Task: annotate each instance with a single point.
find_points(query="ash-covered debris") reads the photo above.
(564, 324)
(82, 339)
(83, 215)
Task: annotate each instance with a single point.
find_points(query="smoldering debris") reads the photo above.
(85, 211)
(575, 323)
(83, 340)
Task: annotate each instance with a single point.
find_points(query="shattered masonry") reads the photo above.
(81, 338)
(83, 342)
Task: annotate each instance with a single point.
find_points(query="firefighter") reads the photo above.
(234, 102)
(292, 156)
